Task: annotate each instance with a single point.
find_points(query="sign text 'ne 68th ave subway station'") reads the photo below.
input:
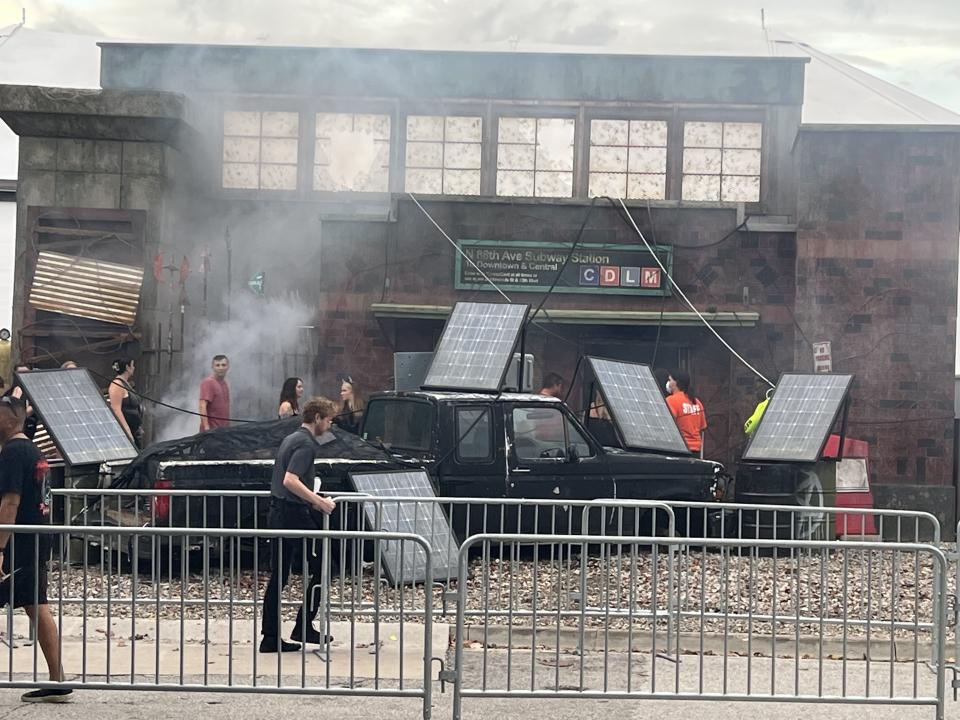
(533, 267)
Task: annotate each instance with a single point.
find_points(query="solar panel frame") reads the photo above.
(652, 397)
(409, 516)
(109, 444)
(456, 325)
(817, 441)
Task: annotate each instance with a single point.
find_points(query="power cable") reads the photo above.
(566, 260)
(459, 249)
(683, 295)
(484, 275)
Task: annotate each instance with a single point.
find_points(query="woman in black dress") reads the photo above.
(290, 395)
(125, 402)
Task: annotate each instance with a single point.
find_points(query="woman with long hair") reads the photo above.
(290, 395)
(687, 410)
(351, 412)
(124, 402)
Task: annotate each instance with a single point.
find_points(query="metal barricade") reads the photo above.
(805, 628)
(793, 522)
(353, 568)
(132, 640)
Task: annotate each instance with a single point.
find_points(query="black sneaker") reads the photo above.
(312, 637)
(48, 695)
(271, 644)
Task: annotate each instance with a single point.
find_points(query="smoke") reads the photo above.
(259, 332)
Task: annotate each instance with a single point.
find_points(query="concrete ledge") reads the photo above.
(596, 640)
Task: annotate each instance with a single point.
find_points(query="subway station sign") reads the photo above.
(599, 268)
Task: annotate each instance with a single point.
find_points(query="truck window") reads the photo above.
(400, 424)
(474, 431)
(538, 433)
(575, 437)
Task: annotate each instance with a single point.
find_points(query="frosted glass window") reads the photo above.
(260, 150)
(628, 158)
(443, 155)
(352, 153)
(535, 157)
(721, 161)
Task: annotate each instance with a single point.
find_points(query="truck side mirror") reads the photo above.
(573, 455)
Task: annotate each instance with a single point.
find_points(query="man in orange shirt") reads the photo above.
(687, 410)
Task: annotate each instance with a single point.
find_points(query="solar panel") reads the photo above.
(425, 519)
(637, 407)
(476, 346)
(81, 424)
(801, 413)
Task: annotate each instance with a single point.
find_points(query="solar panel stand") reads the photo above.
(523, 355)
(843, 428)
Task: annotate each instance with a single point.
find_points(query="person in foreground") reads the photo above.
(293, 503)
(24, 500)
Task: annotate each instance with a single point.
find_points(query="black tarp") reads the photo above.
(247, 441)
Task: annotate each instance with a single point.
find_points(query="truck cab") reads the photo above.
(516, 445)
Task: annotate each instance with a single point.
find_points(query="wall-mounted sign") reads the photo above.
(594, 267)
(822, 357)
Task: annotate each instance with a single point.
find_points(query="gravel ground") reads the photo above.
(881, 585)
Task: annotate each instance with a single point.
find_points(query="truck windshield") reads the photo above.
(398, 423)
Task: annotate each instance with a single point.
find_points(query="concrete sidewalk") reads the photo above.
(110, 705)
(191, 650)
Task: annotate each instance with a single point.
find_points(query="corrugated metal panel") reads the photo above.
(86, 288)
(45, 444)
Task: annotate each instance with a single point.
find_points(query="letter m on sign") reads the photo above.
(650, 278)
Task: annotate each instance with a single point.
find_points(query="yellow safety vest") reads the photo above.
(751, 424)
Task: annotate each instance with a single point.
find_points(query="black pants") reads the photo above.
(285, 515)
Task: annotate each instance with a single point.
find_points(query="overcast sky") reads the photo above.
(915, 44)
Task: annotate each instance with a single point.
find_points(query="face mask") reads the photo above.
(668, 388)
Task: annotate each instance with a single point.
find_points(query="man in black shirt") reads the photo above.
(25, 500)
(293, 503)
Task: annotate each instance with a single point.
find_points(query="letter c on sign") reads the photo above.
(589, 275)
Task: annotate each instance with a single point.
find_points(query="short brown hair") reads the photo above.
(318, 407)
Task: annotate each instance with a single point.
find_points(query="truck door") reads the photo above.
(473, 463)
(550, 457)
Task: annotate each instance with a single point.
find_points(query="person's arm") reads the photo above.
(204, 421)
(293, 483)
(286, 409)
(9, 504)
(115, 393)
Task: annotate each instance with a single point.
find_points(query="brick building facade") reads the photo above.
(784, 233)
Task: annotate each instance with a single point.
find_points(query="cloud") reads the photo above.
(56, 17)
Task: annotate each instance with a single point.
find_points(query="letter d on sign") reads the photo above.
(609, 276)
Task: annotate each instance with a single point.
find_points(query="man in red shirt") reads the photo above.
(687, 410)
(215, 396)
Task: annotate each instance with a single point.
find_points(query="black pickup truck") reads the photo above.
(509, 445)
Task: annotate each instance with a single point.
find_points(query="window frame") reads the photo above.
(469, 109)
(638, 113)
(460, 435)
(262, 105)
(353, 106)
(721, 115)
(566, 421)
(539, 112)
(364, 430)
